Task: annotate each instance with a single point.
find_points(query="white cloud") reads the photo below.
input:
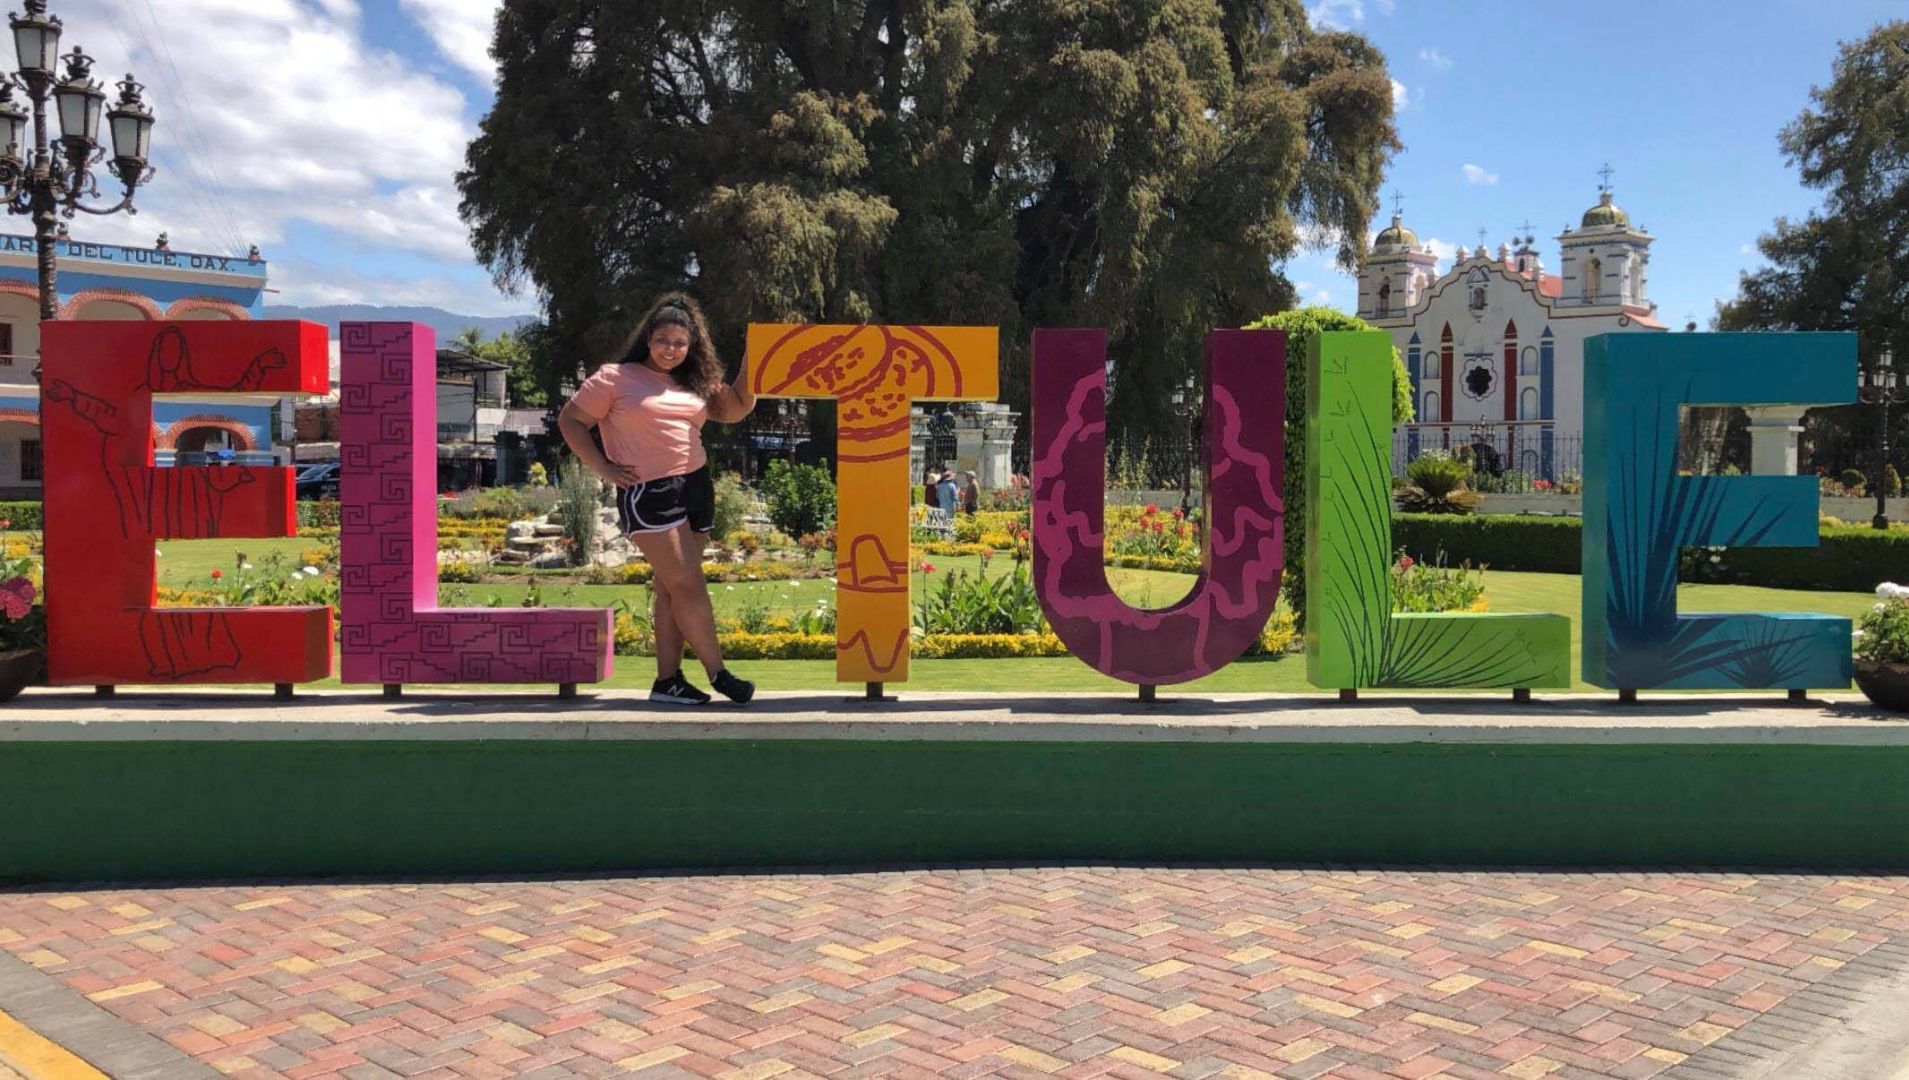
(309, 284)
(1747, 249)
(1400, 99)
(461, 30)
(284, 121)
(1387, 7)
(1435, 58)
(1444, 250)
(1336, 14)
(1476, 174)
(1322, 296)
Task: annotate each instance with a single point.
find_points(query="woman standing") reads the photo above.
(650, 409)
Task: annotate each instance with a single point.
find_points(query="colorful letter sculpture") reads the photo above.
(1238, 587)
(1353, 638)
(874, 374)
(394, 631)
(106, 503)
(1639, 514)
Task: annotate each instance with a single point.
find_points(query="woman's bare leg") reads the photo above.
(676, 559)
(669, 638)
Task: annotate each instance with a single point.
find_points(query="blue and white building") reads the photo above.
(1494, 345)
(108, 281)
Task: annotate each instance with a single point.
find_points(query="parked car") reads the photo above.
(319, 481)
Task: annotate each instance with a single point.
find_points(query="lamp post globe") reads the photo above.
(36, 44)
(47, 183)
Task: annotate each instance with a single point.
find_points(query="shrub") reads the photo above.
(23, 516)
(1892, 482)
(1847, 558)
(1854, 479)
(1303, 327)
(959, 604)
(318, 513)
(1433, 587)
(1436, 474)
(577, 502)
(801, 498)
(732, 504)
(1436, 485)
(1883, 633)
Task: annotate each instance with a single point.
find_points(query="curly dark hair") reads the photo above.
(701, 372)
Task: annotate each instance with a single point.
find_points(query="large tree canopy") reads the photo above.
(1846, 265)
(1141, 166)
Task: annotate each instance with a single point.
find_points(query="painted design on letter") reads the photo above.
(1639, 514)
(1238, 586)
(106, 503)
(394, 631)
(1353, 638)
(874, 374)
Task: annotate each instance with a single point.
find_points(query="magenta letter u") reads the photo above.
(1244, 450)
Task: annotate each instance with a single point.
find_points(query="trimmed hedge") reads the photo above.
(21, 515)
(1848, 558)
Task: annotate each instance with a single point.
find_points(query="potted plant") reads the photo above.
(22, 627)
(1882, 649)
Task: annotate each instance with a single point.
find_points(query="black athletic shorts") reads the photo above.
(660, 505)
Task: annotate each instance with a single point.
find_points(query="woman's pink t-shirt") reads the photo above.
(647, 419)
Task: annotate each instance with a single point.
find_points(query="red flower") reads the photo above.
(927, 567)
(217, 574)
(6, 523)
(1406, 563)
(1151, 509)
(16, 598)
(1179, 514)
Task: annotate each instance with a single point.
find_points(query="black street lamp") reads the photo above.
(1880, 388)
(44, 182)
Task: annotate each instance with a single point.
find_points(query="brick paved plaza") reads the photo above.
(1070, 972)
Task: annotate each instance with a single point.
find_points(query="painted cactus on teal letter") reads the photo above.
(1353, 638)
(1639, 514)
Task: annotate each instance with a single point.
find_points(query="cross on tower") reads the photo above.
(1481, 237)
(1398, 202)
(1605, 174)
(1525, 228)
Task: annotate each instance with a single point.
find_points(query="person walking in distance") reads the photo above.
(649, 407)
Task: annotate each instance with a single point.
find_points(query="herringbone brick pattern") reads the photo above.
(1069, 972)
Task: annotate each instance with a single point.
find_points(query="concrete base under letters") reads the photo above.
(194, 785)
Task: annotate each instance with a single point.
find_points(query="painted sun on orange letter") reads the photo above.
(874, 374)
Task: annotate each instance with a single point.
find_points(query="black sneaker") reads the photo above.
(677, 690)
(733, 688)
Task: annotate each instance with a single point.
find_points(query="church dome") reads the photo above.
(1396, 235)
(1606, 212)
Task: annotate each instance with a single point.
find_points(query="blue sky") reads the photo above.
(328, 131)
(1510, 109)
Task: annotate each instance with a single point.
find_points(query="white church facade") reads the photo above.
(1495, 345)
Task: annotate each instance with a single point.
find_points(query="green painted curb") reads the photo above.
(191, 810)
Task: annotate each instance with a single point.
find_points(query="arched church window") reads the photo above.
(1593, 275)
(1430, 411)
(1528, 404)
(1385, 299)
(1637, 280)
(1478, 298)
(1528, 361)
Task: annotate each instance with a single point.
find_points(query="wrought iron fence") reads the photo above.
(1519, 452)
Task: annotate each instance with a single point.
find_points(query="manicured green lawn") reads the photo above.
(191, 562)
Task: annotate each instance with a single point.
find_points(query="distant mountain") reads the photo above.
(447, 324)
